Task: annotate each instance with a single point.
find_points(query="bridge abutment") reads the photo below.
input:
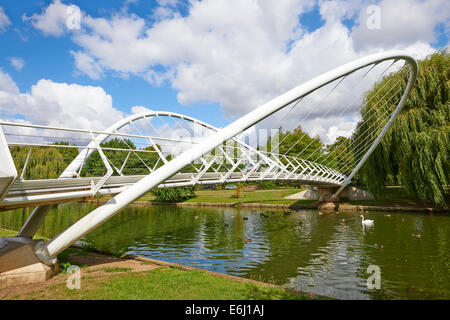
(19, 264)
(354, 194)
(325, 194)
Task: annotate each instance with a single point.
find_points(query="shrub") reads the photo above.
(173, 194)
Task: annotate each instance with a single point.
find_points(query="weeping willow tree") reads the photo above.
(414, 152)
(44, 162)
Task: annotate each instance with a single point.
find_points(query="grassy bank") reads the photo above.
(270, 196)
(7, 233)
(394, 197)
(12, 233)
(163, 283)
(106, 277)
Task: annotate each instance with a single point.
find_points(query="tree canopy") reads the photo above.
(415, 150)
(297, 142)
(135, 162)
(50, 162)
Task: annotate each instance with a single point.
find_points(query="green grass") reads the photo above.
(117, 269)
(7, 233)
(110, 270)
(394, 196)
(165, 284)
(13, 233)
(272, 196)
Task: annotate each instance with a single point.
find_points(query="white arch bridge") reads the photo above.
(164, 149)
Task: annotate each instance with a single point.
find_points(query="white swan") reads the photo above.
(366, 222)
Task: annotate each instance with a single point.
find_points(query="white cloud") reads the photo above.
(56, 19)
(7, 86)
(402, 23)
(161, 13)
(139, 109)
(215, 45)
(116, 43)
(17, 63)
(58, 104)
(242, 58)
(170, 3)
(4, 20)
(87, 65)
(335, 131)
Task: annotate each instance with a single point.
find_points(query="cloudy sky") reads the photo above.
(86, 64)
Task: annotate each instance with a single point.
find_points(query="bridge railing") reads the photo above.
(93, 162)
(224, 157)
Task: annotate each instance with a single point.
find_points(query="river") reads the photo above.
(323, 253)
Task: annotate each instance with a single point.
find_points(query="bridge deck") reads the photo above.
(28, 193)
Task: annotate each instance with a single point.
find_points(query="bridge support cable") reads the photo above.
(354, 149)
(413, 74)
(352, 103)
(357, 148)
(361, 107)
(317, 107)
(321, 103)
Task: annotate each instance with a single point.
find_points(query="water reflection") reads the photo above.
(327, 254)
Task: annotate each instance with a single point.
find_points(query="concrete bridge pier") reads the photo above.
(325, 193)
(20, 265)
(349, 193)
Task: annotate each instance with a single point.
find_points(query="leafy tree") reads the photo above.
(298, 142)
(339, 155)
(137, 163)
(44, 162)
(415, 150)
(50, 162)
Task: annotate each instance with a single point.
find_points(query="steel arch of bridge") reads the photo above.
(294, 169)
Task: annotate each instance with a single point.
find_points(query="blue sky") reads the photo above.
(193, 57)
(48, 57)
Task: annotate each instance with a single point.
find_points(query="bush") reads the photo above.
(173, 194)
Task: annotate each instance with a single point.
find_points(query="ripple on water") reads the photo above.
(325, 254)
